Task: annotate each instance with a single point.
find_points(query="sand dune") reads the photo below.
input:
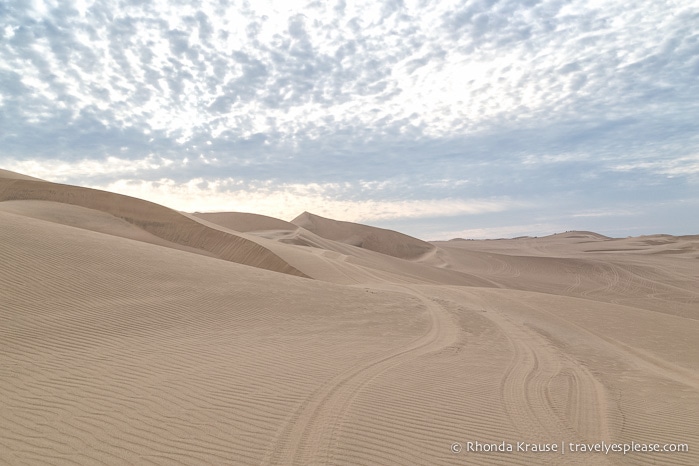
(338, 262)
(7, 174)
(241, 221)
(125, 339)
(375, 239)
(157, 220)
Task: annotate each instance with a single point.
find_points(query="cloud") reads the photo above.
(510, 231)
(603, 213)
(676, 166)
(564, 99)
(394, 69)
(288, 200)
(57, 171)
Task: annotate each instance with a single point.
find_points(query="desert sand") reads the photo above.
(131, 333)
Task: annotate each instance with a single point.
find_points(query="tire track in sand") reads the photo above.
(309, 435)
(548, 396)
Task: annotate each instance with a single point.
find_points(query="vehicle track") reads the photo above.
(548, 396)
(310, 433)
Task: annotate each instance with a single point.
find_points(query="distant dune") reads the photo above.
(375, 239)
(243, 222)
(126, 339)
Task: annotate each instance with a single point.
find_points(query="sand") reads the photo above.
(134, 334)
(375, 239)
(244, 222)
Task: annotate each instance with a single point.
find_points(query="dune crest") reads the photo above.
(7, 174)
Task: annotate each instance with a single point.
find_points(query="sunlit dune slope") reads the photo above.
(116, 351)
(244, 222)
(16, 176)
(162, 222)
(338, 262)
(631, 271)
(380, 240)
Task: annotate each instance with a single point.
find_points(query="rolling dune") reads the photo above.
(134, 334)
(157, 220)
(240, 221)
(375, 239)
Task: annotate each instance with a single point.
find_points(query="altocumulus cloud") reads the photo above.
(438, 118)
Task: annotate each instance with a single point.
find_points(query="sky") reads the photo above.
(441, 119)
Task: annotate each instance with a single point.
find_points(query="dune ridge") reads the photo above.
(245, 222)
(160, 221)
(7, 174)
(387, 242)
